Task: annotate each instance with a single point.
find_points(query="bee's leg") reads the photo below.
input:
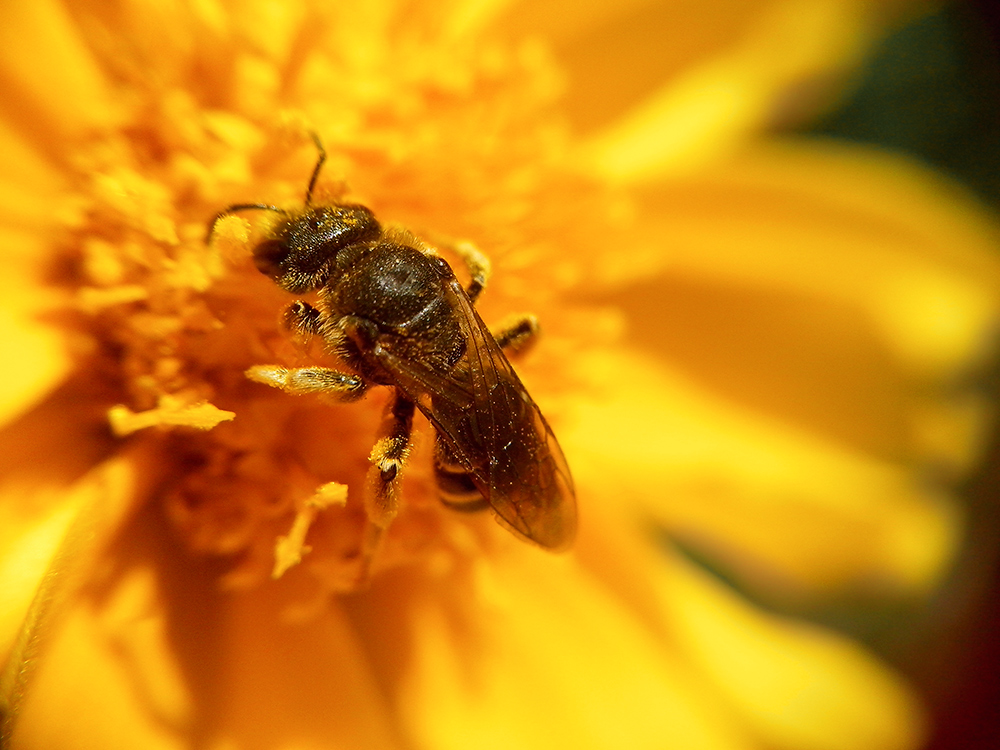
(478, 264)
(302, 318)
(302, 380)
(456, 489)
(387, 458)
(516, 334)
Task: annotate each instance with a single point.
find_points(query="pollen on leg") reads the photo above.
(303, 380)
(387, 458)
(272, 375)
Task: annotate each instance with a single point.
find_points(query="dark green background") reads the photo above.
(932, 90)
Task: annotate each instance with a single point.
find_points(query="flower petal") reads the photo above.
(842, 289)
(535, 655)
(82, 691)
(52, 542)
(842, 222)
(737, 68)
(175, 661)
(54, 87)
(787, 509)
(31, 186)
(36, 356)
(799, 687)
(288, 684)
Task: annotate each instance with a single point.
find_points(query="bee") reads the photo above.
(394, 313)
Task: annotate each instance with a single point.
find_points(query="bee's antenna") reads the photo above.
(317, 168)
(233, 209)
(266, 207)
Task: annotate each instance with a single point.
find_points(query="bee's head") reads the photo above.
(299, 256)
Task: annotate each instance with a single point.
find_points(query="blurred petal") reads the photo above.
(30, 185)
(36, 354)
(288, 685)
(790, 681)
(800, 267)
(176, 659)
(53, 542)
(742, 65)
(64, 707)
(844, 222)
(156, 46)
(500, 665)
(54, 90)
(785, 508)
(621, 57)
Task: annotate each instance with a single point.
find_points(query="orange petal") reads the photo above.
(30, 185)
(85, 689)
(847, 224)
(35, 353)
(306, 683)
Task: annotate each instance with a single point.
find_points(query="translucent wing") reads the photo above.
(485, 415)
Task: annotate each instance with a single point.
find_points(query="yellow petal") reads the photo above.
(838, 288)
(86, 690)
(140, 669)
(617, 55)
(54, 87)
(139, 648)
(798, 687)
(30, 185)
(536, 655)
(37, 362)
(787, 508)
(34, 352)
(743, 70)
(847, 224)
(291, 685)
(53, 540)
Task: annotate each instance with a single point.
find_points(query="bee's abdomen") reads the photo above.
(455, 487)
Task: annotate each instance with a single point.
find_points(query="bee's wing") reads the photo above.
(485, 415)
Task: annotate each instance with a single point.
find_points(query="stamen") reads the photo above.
(289, 550)
(171, 412)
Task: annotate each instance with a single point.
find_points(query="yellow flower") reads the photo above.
(753, 347)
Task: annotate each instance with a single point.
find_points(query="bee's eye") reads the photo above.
(269, 256)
